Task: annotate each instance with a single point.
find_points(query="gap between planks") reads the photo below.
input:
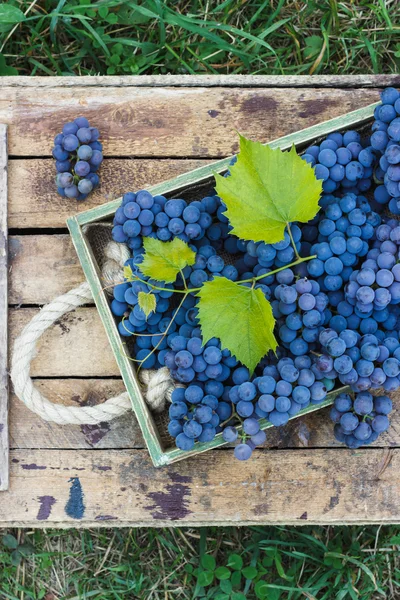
(3, 311)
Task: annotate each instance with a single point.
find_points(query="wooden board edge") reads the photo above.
(262, 81)
(158, 524)
(4, 451)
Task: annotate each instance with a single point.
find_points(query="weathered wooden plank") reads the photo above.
(286, 81)
(75, 346)
(170, 122)
(34, 202)
(27, 430)
(98, 488)
(3, 311)
(42, 267)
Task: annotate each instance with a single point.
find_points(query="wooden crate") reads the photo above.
(302, 474)
(193, 185)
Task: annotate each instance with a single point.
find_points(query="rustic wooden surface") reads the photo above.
(3, 311)
(154, 129)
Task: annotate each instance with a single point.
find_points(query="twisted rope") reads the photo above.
(158, 385)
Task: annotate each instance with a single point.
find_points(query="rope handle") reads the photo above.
(158, 385)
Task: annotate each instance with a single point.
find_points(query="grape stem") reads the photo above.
(191, 290)
(292, 240)
(293, 264)
(162, 335)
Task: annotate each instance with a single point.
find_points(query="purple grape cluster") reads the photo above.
(78, 155)
(337, 315)
(359, 421)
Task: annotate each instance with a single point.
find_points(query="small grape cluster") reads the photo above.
(359, 421)
(78, 155)
(343, 161)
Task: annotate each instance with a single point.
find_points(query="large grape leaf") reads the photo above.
(163, 260)
(241, 317)
(147, 302)
(266, 190)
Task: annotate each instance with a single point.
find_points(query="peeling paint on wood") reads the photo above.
(75, 507)
(46, 503)
(171, 503)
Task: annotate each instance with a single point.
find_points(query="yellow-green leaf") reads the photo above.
(147, 302)
(241, 317)
(163, 260)
(128, 273)
(267, 189)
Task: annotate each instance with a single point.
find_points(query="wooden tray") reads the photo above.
(195, 184)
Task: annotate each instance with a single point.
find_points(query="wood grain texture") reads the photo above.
(27, 430)
(3, 311)
(75, 346)
(265, 81)
(34, 202)
(170, 122)
(42, 268)
(82, 488)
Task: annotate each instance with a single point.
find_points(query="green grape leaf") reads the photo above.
(241, 317)
(266, 190)
(147, 302)
(163, 260)
(128, 273)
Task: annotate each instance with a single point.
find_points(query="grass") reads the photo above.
(265, 563)
(114, 37)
